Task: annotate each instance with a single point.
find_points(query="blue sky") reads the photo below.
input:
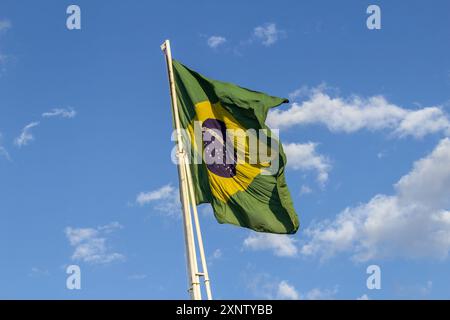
(85, 129)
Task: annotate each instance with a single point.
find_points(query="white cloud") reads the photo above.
(268, 34)
(263, 285)
(286, 291)
(25, 136)
(358, 113)
(64, 113)
(363, 297)
(422, 122)
(161, 193)
(414, 222)
(281, 245)
(90, 244)
(216, 41)
(166, 199)
(304, 157)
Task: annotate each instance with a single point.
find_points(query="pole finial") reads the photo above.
(164, 45)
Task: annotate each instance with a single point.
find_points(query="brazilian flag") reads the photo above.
(241, 193)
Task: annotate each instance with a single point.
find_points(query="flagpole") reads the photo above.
(199, 235)
(192, 268)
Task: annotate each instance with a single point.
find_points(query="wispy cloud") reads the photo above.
(357, 113)
(25, 136)
(268, 34)
(280, 245)
(3, 152)
(63, 113)
(165, 199)
(90, 244)
(414, 222)
(110, 227)
(304, 157)
(216, 41)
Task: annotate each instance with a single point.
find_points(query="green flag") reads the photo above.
(243, 190)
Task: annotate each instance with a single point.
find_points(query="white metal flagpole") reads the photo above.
(191, 257)
(199, 235)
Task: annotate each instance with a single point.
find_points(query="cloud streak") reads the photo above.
(26, 135)
(58, 112)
